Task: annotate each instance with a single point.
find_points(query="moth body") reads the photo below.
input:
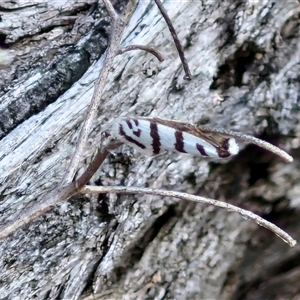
(155, 136)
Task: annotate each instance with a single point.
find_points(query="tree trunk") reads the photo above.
(245, 61)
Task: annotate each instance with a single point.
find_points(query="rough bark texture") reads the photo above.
(245, 61)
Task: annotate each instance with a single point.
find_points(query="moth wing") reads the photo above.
(146, 151)
(224, 145)
(151, 136)
(134, 132)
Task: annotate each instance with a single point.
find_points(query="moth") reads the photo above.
(153, 136)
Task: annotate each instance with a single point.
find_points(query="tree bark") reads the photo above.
(245, 61)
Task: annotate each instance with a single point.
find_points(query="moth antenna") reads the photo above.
(184, 196)
(261, 143)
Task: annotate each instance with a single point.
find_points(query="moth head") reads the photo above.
(233, 147)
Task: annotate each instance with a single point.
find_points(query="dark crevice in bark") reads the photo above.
(60, 290)
(290, 30)
(250, 167)
(7, 10)
(136, 252)
(119, 5)
(228, 24)
(247, 58)
(47, 295)
(258, 171)
(103, 205)
(105, 246)
(88, 289)
(258, 63)
(3, 36)
(120, 162)
(264, 277)
(57, 79)
(281, 214)
(191, 179)
(44, 153)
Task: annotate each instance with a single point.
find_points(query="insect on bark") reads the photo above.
(153, 136)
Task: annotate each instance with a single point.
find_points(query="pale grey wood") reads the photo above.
(150, 247)
(21, 18)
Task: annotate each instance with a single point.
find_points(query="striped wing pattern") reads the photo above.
(153, 136)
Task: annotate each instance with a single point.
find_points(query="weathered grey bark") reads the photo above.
(131, 247)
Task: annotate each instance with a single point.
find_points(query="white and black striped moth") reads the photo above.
(153, 136)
